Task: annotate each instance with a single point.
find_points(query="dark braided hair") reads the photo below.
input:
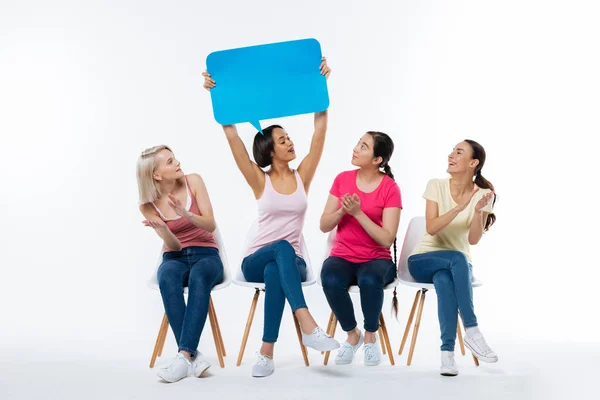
(383, 147)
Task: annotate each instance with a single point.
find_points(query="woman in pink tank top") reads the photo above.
(274, 256)
(178, 208)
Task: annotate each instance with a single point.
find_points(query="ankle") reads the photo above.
(370, 337)
(472, 331)
(353, 336)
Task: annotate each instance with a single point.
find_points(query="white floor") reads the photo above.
(549, 371)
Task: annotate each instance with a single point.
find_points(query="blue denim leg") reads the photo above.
(425, 267)
(372, 276)
(337, 275)
(283, 273)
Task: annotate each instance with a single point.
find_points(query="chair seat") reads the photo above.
(430, 286)
(261, 285)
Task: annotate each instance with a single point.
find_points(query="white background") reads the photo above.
(86, 86)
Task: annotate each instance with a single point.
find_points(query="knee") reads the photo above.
(283, 246)
(369, 281)
(169, 282)
(330, 280)
(460, 261)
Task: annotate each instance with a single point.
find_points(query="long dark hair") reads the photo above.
(479, 154)
(263, 146)
(383, 146)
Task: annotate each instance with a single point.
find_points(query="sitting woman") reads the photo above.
(274, 256)
(178, 208)
(364, 204)
(458, 211)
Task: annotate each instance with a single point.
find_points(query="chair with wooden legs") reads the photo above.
(260, 287)
(212, 315)
(384, 338)
(414, 233)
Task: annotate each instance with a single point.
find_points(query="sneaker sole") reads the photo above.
(343, 362)
(169, 381)
(202, 370)
(371, 364)
(448, 373)
(322, 348)
(481, 357)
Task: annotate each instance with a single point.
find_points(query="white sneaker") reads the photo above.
(346, 353)
(319, 340)
(448, 367)
(480, 348)
(199, 365)
(264, 366)
(372, 353)
(177, 370)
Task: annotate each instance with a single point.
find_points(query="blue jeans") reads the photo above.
(282, 272)
(450, 273)
(337, 275)
(198, 268)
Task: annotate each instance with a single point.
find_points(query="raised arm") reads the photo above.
(253, 174)
(308, 166)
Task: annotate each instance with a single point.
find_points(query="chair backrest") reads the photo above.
(252, 232)
(414, 233)
(153, 281)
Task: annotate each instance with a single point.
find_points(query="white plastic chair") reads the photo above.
(212, 315)
(333, 321)
(260, 286)
(416, 230)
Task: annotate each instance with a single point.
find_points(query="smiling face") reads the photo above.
(167, 166)
(362, 155)
(283, 147)
(461, 160)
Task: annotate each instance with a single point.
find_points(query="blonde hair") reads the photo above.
(146, 165)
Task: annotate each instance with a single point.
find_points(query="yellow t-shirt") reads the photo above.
(455, 236)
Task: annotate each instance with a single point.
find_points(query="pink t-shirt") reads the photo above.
(352, 242)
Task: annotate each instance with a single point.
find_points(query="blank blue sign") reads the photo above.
(267, 81)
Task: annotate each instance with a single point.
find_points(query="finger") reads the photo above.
(172, 205)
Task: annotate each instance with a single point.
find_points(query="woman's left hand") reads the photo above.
(484, 201)
(325, 70)
(351, 204)
(177, 206)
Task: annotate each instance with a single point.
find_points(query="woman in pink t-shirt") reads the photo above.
(364, 204)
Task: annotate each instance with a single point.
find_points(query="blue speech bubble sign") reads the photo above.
(267, 81)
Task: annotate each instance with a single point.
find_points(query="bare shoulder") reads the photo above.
(147, 210)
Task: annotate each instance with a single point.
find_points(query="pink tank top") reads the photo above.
(280, 216)
(188, 233)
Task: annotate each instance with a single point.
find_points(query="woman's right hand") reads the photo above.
(209, 83)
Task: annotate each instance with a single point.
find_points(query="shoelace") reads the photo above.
(346, 347)
(179, 356)
(480, 341)
(369, 351)
(261, 360)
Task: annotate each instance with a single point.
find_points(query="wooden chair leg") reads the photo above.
(332, 334)
(213, 326)
(475, 360)
(384, 332)
(381, 339)
(212, 306)
(163, 337)
(248, 325)
(416, 328)
(163, 325)
(460, 337)
(329, 326)
(302, 347)
(409, 322)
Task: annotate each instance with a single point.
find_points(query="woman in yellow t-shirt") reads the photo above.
(458, 211)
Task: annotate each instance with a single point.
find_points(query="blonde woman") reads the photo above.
(178, 208)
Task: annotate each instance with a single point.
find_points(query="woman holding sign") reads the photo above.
(458, 211)
(274, 256)
(178, 208)
(364, 204)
